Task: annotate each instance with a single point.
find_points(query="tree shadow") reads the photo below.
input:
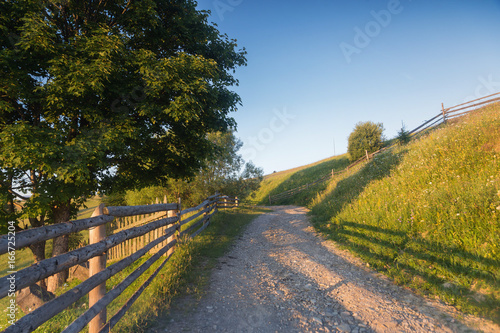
(305, 176)
(347, 190)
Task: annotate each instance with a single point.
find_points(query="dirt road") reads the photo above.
(282, 277)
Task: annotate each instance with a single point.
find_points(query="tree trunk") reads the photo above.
(60, 245)
(38, 249)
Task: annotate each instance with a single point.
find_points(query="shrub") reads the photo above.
(403, 135)
(366, 136)
(146, 195)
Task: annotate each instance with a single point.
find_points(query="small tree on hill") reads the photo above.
(366, 136)
(403, 135)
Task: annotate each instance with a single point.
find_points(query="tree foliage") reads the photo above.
(366, 136)
(403, 136)
(225, 172)
(101, 95)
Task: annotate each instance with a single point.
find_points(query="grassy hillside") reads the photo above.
(284, 180)
(426, 214)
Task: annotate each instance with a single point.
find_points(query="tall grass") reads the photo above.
(427, 214)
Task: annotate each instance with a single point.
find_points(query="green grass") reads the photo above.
(89, 207)
(24, 257)
(285, 180)
(426, 214)
(187, 272)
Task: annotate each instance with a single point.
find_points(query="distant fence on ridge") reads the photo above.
(445, 115)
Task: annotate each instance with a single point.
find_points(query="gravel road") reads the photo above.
(281, 276)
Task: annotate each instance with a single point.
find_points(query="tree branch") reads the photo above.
(18, 195)
(20, 187)
(126, 7)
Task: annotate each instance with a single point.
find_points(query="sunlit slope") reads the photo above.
(284, 180)
(426, 214)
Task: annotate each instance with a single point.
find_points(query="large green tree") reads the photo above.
(97, 95)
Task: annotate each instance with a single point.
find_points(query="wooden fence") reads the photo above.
(333, 173)
(133, 231)
(445, 115)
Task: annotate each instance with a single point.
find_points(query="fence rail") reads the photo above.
(124, 233)
(442, 117)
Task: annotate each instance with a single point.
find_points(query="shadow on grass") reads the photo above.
(425, 265)
(430, 267)
(306, 176)
(348, 190)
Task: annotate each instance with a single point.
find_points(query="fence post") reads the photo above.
(179, 216)
(172, 213)
(96, 265)
(444, 113)
(332, 173)
(206, 213)
(367, 158)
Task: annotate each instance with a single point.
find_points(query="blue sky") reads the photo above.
(316, 68)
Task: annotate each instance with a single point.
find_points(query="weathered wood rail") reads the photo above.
(445, 115)
(161, 223)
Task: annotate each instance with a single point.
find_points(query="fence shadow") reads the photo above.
(409, 259)
(425, 264)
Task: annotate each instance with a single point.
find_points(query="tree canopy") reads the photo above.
(225, 172)
(366, 136)
(103, 94)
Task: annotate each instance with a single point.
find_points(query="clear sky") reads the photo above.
(317, 67)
